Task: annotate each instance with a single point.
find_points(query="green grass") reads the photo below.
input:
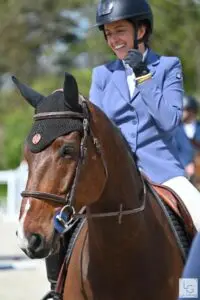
(3, 192)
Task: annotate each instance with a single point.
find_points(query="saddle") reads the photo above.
(171, 199)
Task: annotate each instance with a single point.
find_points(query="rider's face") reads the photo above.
(120, 36)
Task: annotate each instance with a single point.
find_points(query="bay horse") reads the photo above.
(126, 248)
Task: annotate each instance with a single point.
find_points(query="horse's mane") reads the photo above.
(116, 129)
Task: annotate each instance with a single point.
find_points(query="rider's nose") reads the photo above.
(36, 243)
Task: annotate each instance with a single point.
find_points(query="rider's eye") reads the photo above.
(67, 150)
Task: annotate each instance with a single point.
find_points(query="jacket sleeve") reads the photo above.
(165, 105)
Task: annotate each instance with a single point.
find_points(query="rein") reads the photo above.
(119, 213)
(68, 201)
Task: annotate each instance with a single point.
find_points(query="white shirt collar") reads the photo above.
(145, 54)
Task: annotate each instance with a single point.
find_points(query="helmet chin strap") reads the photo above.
(135, 37)
(136, 40)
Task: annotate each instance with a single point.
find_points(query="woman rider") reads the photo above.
(142, 93)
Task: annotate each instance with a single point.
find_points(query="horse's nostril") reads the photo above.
(35, 241)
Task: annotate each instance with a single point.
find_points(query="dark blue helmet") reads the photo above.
(109, 11)
(190, 103)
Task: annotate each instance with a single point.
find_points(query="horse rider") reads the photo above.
(191, 125)
(182, 139)
(142, 93)
(187, 134)
(185, 150)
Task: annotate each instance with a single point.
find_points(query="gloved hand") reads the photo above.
(134, 60)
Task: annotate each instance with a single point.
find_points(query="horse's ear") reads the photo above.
(33, 97)
(71, 93)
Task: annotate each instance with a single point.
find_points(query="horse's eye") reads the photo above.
(67, 150)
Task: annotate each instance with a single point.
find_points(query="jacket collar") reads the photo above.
(152, 58)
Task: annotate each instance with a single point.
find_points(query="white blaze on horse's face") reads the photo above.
(22, 240)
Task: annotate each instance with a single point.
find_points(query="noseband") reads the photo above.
(68, 201)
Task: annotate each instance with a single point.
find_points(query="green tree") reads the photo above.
(177, 33)
(32, 31)
(16, 124)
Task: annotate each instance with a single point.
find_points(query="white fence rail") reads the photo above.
(15, 181)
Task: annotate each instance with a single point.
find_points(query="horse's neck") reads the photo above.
(124, 186)
(124, 182)
(110, 241)
(123, 189)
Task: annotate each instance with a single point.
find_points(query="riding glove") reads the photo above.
(135, 60)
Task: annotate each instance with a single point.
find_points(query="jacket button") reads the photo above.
(133, 134)
(134, 122)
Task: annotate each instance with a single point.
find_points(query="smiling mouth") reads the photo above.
(119, 47)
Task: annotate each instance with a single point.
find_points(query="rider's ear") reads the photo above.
(33, 97)
(92, 179)
(71, 93)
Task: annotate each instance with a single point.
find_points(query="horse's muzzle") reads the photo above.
(37, 247)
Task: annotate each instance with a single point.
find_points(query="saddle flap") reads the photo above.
(177, 205)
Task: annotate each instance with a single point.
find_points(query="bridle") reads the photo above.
(68, 201)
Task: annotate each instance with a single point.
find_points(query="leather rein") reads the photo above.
(68, 201)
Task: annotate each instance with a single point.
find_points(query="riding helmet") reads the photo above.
(190, 103)
(109, 11)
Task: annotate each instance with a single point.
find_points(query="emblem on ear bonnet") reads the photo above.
(36, 138)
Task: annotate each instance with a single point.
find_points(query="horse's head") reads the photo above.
(63, 160)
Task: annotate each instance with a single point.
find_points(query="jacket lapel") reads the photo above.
(120, 80)
(152, 61)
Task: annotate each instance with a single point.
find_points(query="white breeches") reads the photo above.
(189, 195)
